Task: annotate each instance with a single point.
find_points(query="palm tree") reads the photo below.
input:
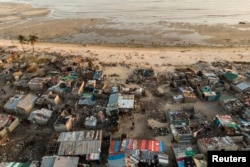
(33, 40)
(22, 40)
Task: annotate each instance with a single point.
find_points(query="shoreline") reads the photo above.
(100, 31)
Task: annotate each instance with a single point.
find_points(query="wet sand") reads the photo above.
(23, 19)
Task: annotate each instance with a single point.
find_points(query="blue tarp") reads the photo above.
(181, 163)
(116, 157)
(161, 146)
(117, 146)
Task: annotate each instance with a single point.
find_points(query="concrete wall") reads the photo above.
(63, 127)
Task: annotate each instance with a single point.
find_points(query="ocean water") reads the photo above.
(190, 11)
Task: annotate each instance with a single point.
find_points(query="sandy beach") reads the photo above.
(24, 19)
(161, 46)
(125, 59)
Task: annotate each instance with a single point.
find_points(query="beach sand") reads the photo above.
(126, 59)
(16, 19)
(177, 44)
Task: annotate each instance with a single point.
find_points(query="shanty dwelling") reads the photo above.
(230, 104)
(124, 102)
(216, 144)
(97, 75)
(61, 87)
(177, 117)
(206, 93)
(10, 105)
(63, 124)
(90, 122)
(7, 124)
(81, 143)
(186, 156)
(211, 78)
(241, 87)
(181, 133)
(90, 85)
(230, 76)
(133, 152)
(52, 99)
(41, 116)
(59, 161)
(178, 98)
(38, 84)
(227, 125)
(22, 85)
(188, 94)
(77, 90)
(26, 104)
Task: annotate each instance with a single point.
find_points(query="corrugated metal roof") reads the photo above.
(113, 100)
(80, 142)
(80, 136)
(126, 101)
(133, 144)
(243, 85)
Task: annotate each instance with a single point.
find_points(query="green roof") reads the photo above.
(230, 76)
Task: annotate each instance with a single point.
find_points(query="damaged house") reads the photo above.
(227, 124)
(11, 104)
(63, 123)
(188, 94)
(181, 133)
(38, 84)
(216, 144)
(26, 104)
(41, 116)
(177, 117)
(230, 104)
(8, 123)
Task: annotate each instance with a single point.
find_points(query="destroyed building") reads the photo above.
(230, 104)
(227, 124)
(7, 124)
(177, 117)
(216, 144)
(26, 104)
(181, 133)
(38, 84)
(63, 123)
(41, 116)
(11, 104)
(188, 94)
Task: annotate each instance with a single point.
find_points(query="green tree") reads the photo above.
(22, 40)
(33, 39)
